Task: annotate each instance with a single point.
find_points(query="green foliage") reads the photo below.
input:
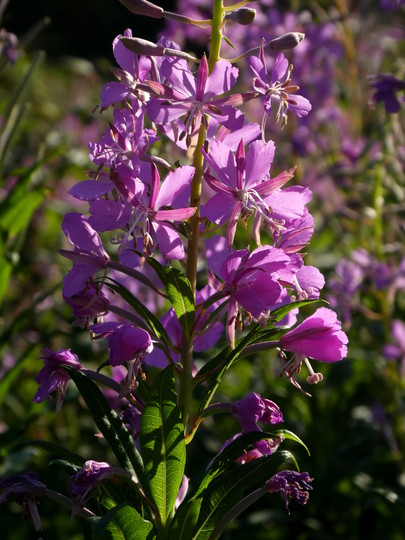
(162, 443)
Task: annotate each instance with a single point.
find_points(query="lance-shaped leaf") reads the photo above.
(122, 522)
(187, 514)
(220, 364)
(110, 425)
(162, 443)
(180, 293)
(231, 487)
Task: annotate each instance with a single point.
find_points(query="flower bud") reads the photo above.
(142, 46)
(143, 7)
(286, 41)
(241, 15)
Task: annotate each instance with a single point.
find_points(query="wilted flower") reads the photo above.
(292, 485)
(85, 482)
(26, 489)
(252, 409)
(53, 377)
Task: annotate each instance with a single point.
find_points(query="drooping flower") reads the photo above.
(89, 255)
(277, 88)
(319, 337)
(292, 486)
(53, 377)
(86, 480)
(260, 449)
(250, 281)
(125, 342)
(26, 489)
(253, 409)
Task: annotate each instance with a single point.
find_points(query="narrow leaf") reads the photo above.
(187, 514)
(110, 425)
(162, 443)
(151, 320)
(180, 294)
(128, 525)
(229, 488)
(278, 314)
(220, 364)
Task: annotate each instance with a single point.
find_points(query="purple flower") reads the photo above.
(253, 409)
(386, 86)
(292, 485)
(146, 213)
(125, 141)
(131, 417)
(53, 377)
(85, 482)
(89, 255)
(391, 4)
(276, 90)
(242, 184)
(88, 305)
(8, 45)
(26, 489)
(125, 342)
(396, 350)
(319, 337)
(260, 449)
(195, 97)
(182, 492)
(250, 281)
(203, 338)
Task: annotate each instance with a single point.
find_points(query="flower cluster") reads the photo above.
(176, 229)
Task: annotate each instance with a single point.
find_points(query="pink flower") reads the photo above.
(53, 377)
(320, 337)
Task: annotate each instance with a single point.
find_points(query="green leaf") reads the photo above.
(292, 437)
(231, 487)
(13, 115)
(220, 364)
(17, 217)
(110, 425)
(180, 294)
(122, 522)
(278, 314)
(162, 443)
(187, 514)
(5, 274)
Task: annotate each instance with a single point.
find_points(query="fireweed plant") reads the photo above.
(178, 173)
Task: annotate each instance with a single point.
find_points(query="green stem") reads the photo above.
(186, 382)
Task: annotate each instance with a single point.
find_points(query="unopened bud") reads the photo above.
(241, 15)
(142, 46)
(143, 7)
(286, 41)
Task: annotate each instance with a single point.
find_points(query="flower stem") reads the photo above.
(186, 382)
